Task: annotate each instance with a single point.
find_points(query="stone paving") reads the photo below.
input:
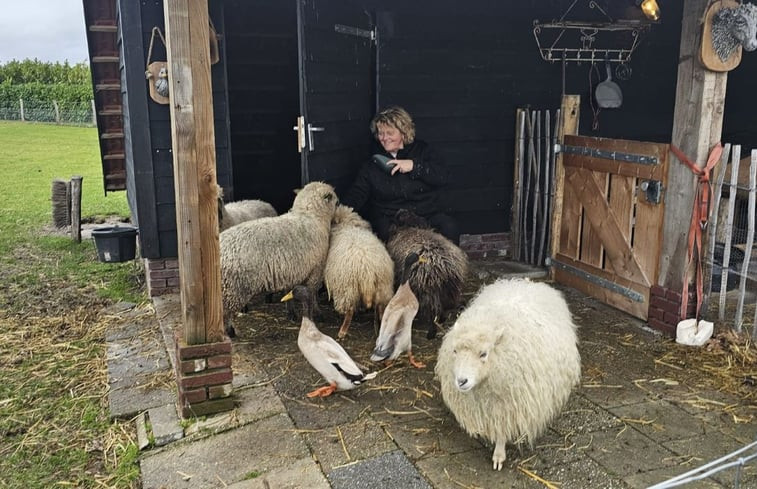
(632, 423)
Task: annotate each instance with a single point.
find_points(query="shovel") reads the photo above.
(608, 92)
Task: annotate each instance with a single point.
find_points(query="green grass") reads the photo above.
(55, 428)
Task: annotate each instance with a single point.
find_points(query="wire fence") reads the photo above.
(50, 111)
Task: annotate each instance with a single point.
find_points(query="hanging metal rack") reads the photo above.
(609, 40)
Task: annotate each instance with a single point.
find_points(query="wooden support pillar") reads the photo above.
(193, 143)
(697, 126)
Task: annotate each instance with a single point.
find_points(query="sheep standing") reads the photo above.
(509, 363)
(439, 283)
(359, 270)
(276, 253)
(240, 211)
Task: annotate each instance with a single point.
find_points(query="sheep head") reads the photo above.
(733, 27)
(471, 356)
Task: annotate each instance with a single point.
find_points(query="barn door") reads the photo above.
(610, 227)
(336, 89)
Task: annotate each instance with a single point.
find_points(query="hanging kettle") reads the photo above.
(608, 92)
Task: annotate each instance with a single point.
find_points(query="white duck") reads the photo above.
(395, 335)
(323, 352)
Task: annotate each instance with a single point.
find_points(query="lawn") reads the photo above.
(55, 428)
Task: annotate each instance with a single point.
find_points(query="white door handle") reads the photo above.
(311, 130)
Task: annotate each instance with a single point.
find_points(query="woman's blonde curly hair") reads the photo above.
(397, 117)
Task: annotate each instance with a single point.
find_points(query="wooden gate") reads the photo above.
(609, 231)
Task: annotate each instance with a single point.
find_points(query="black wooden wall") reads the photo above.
(149, 159)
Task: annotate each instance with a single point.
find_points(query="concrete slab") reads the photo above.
(165, 424)
(473, 469)
(645, 479)
(388, 470)
(257, 403)
(580, 474)
(660, 420)
(225, 458)
(701, 450)
(301, 474)
(345, 444)
(419, 438)
(128, 402)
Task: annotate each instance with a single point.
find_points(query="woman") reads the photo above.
(411, 179)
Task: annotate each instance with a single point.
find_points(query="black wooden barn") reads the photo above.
(461, 69)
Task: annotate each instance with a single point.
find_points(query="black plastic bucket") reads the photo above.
(115, 244)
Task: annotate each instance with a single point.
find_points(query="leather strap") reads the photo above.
(699, 217)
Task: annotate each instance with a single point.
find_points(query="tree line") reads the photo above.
(43, 82)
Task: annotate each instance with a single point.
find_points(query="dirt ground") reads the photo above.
(623, 364)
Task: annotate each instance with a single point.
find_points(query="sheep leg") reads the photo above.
(345, 324)
(415, 363)
(324, 391)
(378, 314)
(498, 457)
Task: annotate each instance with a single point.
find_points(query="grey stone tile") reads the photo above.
(660, 420)
(389, 470)
(301, 474)
(165, 424)
(342, 445)
(473, 469)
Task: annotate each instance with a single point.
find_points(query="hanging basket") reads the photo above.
(157, 72)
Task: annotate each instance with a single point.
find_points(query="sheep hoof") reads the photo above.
(499, 456)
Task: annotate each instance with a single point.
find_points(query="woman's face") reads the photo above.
(390, 137)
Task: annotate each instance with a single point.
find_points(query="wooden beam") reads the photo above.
(697, 126)
(193, 143)
(570, 112)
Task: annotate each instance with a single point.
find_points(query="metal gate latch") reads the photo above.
(653, 189)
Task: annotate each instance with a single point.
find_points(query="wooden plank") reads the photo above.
(592, 247)
(192, 136)
(648, 172)
(747, 250)
(648, 228)
(570, 107)
(520, 123)
(606, 226)
(621, 201)
(697, 126)
(571, 220)
(619, 301)
(712, 227)
(735, 157)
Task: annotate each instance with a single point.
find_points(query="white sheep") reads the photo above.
(359, 270)
(240, 211)
(509, 363)
(276, 253)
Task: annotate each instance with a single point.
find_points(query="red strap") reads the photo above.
(699, 217)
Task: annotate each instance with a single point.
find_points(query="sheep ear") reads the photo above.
(297, 191)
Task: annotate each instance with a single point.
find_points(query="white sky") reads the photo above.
(49, 30)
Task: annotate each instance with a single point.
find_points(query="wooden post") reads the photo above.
(520, 141)
(697, 126)
(570, 110)
(193, 140)
(21, 105)
(76, 208)
(57, 111)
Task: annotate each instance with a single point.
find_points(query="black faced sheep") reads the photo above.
(439, 283)
(276, 253)
(359, 270)
(509, 363)
(240, 211)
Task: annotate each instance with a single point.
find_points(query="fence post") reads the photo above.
(94, 113)
(76, 208)
(21, 104)
(57, 112)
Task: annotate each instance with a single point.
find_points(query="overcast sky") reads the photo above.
(49, 30)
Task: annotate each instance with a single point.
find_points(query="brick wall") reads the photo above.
(665, 309)
(204, 376)
(478, 246)
(162, 276)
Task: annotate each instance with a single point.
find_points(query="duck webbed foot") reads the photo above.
(324, 391)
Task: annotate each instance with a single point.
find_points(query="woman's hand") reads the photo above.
(402, 166)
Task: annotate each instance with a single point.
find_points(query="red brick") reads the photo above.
(670, 318)
(207, 407)
(193, 366)
(672, 295)
(655, 313)
(156, 274)
(154, 292)
(156, 264)
(206, 379)
(476, 255)
(659, 302)
(187, 352)
(172, 263)
(499, 237)
(192, 395)
(656, 290)
(662, 327)
(172, 282)
(219, 361)
(219, 391)
(157, 284)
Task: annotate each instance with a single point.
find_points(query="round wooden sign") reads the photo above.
(707, 55)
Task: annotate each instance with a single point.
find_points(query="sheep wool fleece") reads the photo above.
(276, 253)
(509, 363)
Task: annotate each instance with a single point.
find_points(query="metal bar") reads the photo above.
(602, 282)
(354, 31)
(607, 155)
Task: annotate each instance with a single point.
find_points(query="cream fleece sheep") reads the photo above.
(439, 283)
(509, 363)
(276, 253)
(240, 211)
(359, 270)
